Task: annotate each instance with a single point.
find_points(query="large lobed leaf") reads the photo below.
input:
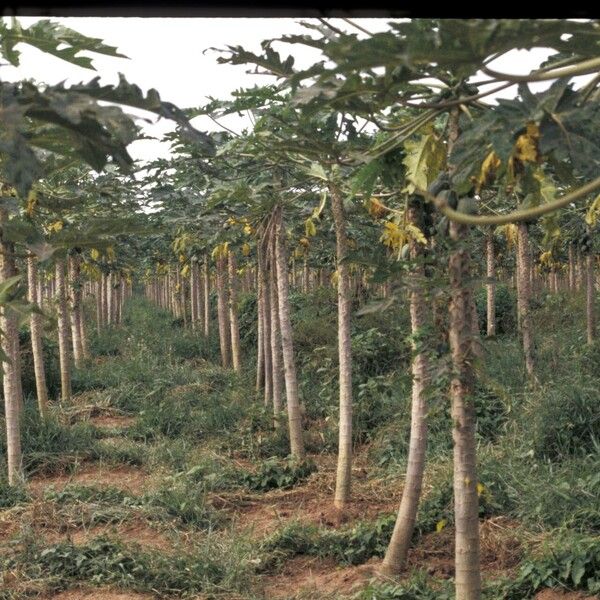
(53, 38)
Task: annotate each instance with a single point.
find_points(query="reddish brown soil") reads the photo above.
(500, 550)
(310, 576)
(123, 477)
(312, 502)
(112, 421)
(99, 594)
(136, 532)
(562, 595)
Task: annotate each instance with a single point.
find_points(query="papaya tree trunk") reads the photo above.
(13, 399)
(104, 299)
(194, 295)
(287, 344)
(35, 325)
(260, 359)
(305, 277)
(344, 464)
(397, 551)
(206, 296)
(183, 298)
(491, 286)
(224, 328)
(85, 346)
(63, 331)
(524, 294)
(267, 323)
(466, 505)
(276, 341)
(590, 295)
(99, 305)
(74, 297)
(468, 578)
(233, 314)
(579, 271)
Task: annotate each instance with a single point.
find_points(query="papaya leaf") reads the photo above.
(424, 160)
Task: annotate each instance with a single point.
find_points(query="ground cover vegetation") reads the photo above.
(350, 352)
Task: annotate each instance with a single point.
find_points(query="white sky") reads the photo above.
(167, 54)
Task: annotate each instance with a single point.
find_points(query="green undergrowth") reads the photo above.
(204, 432)
(173, 500)
(217, 565)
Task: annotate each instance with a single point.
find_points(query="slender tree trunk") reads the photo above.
(183, 298)
(590, 295)
(224, 327)
(395, 557)
(85, 347)
(260, 358)
(579, 270)
(344, 465)
(305, 276)
(104, 300)
(276, 347)
(267, 313)
(75, 304)
(468, 578)
(63, 331)
(524, 293)
(35, 324)
(491, 286)
(233, 315)
(291, 382)
(466, 508)
(13, 398)
(110, 310)
(571, 268)
(99, 306)
(206, 297)
(194, 294)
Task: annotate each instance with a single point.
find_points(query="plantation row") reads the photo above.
(396, 275)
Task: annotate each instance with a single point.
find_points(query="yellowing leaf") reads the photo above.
(488, 169)
(310, 228)
(376, 208)
(186, 270)
(110, 253)
(220, 251)
(246, 249)
(440, 525)
(55, 227)
(31, 202)
(95, 254)
(424, 160)
(480, 488)
(591, 217)
(248, 229)
(510, 232)
(393, 236)
(526, 146)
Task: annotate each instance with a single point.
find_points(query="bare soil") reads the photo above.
(125, 477)
(310, 502)
(98, 594)
(562, 595)
(111, 421)
(307, 575)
